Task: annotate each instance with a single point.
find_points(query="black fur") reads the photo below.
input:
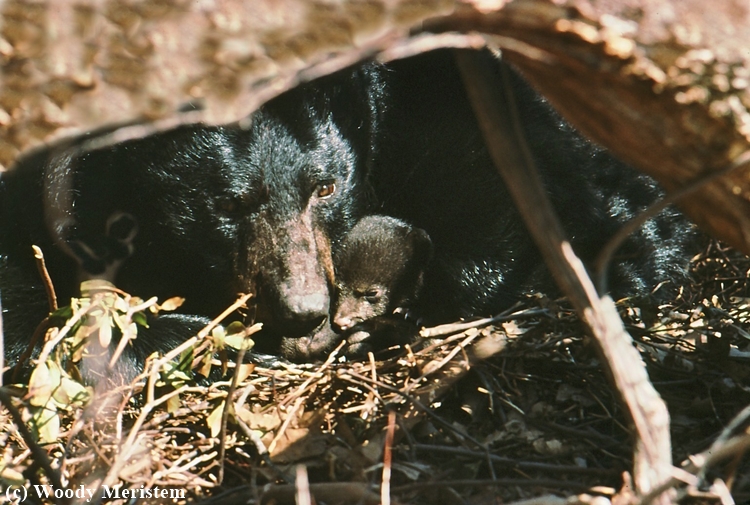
(207, 212)
(436, 174)
(380, 269)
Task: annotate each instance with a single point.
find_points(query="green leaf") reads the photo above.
(218, 334)
(121, 305)
(63, 313)
(131, 331)
(83, 332)
(173, 375)
(46, 423)
(240, 342)
(44, 380)
(238, 337)
(71, 392)
(235, 327)
(105, 329)
(186, 360)
(140, 318)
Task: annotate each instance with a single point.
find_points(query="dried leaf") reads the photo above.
(260, 421)
(10, 476)
(206, 364)
(105, 329)
(299, 444)
(214, 420)
(173, 404)
(172, 304)
(245, 370)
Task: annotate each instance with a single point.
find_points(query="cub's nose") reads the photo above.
(343, 323)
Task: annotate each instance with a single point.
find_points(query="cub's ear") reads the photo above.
(422, 245)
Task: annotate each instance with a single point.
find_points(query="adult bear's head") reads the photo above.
(207, 212)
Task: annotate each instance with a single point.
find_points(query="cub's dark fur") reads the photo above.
(379, 271)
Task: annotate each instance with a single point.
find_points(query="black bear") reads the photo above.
(206, 212)
(200, 212)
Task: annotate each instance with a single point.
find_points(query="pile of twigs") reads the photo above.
(513, 407)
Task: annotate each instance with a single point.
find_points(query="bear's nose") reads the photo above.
(344, 323)
(302, 314)
(308, 306)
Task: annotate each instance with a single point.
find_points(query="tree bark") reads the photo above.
(662, 83)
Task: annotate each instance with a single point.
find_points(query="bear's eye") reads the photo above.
(236, 203)
(326, 189)
(227, 205)
(372, 296)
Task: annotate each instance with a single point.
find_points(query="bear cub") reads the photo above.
(379, 272)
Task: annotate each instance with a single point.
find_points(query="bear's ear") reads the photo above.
(362, 90)
(422, 245)
(354, 99)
